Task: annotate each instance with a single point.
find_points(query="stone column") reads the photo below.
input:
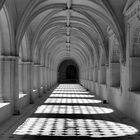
(95, 74)
(85, 78)
(20, 77)
(48, 78)
(46, 82)
(42, 79)
(134, 73)
(9, 82)
(52, 77)
(102, 74)
(27, 79)
(91, 78)
(114, 69)
(36, 78)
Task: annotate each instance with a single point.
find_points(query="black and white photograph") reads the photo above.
(69, 69)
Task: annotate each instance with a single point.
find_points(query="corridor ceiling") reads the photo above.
(63, 29)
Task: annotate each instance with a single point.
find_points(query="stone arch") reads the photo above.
(5, 33)
(68, 72)
(114, 59)
(2, 3)
(99, 13)
(23, 66)
(102, 68)
(7, 55)
(134, 58)
(115, 51)
(24, 48)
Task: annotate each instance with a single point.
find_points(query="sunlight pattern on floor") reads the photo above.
(65, 103)
(67, 109)
(71, 95)
(73, 127)
(71, 100)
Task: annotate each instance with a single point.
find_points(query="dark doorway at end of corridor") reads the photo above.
(68, 72)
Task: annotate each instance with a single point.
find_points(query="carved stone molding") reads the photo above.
(1, 3)
(8, 58)
(26, 63)
(133, 10)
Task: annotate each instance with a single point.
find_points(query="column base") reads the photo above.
(31, 102)
(16, 112)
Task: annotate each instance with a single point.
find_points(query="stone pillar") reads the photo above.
(51, 78)
(114, 69)
(95, 74)
(27, 79)
(102, 74)
(134, 73)
(51, 82)
(36, 78)
(91, 79)
(42, 79)
(114, 59)
(85, 78)
(20, 77)
(9, 82)
(48, 78)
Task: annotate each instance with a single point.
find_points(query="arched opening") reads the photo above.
(71, 72)
(6, 60)
(23, 68)
(114, 60)
(68, 72)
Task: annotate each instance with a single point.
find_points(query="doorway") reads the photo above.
(68, 72)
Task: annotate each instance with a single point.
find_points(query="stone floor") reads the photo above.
(70, 112)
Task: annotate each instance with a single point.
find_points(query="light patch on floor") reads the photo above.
(72, 111)
(3, 104)
(74, 127)
(72, 101)
(67, 109)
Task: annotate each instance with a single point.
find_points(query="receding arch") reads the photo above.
(2, 3)
(5, 37)
(68, 72)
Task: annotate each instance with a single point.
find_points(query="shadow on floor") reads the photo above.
(27, 137)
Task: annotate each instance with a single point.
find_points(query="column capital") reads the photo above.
(47, 67)
(43, 66)
(103, 65)
(8, 58)
(107, 65)
(26, 63)
(37, 65)
(92, 67)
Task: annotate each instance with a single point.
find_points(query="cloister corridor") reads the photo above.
(69, 69)
(69, 112)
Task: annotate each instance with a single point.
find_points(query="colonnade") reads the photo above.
(23, 77)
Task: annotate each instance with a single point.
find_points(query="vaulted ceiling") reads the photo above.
(76, 29)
